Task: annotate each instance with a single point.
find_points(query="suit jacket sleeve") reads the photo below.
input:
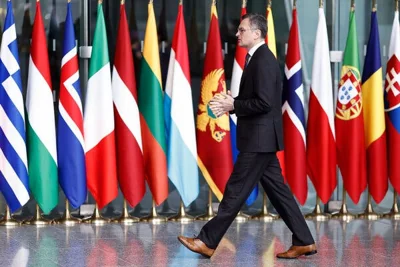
(264, 81)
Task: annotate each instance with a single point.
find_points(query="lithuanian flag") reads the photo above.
(152, 114)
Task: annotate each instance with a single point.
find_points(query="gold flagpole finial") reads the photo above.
(374, 6)
(321, 3)
(122, 2)
(294, 4)
(269, 4)
(100, 2)
(396, 5)
(214, 2)
(244, 3)
(151, 2)
(353, 5)
(181, 2)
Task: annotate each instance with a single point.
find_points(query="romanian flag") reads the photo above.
(349, 121)
(152, 113)
(374, 116)
(213, 134)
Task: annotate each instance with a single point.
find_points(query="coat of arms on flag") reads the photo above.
(392, 84)
(218, 126)
(349, 104)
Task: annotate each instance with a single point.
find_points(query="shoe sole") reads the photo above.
(204, 255)
(305, 254)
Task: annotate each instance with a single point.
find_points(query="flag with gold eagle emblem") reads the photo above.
(213, 134)
(349, 121)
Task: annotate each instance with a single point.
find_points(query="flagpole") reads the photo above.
(269, 4)
(38, 220)
(394, 213)
(154, 218)
(96, 218)
(182, 217)
(67, 219)
(244, 3)
(353, 5)
(8, 220)
(125, 217)
(210, 214)
(396, 5)
(344, 214)
(369, 212)
(317, 213)
(321, 3)
(294, 4)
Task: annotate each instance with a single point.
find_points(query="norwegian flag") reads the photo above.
(392, 104)
(293, 117)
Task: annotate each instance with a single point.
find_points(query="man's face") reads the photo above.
(246, 36)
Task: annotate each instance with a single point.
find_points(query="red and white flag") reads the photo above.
(130, 164)
(321, 149)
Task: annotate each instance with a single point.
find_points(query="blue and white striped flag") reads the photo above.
(14, 182)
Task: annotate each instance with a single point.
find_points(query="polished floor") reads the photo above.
(253, 243)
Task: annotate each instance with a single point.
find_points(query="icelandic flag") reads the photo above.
(238, 66)
(179, 120)
(293, 117)
(14, 182)
(70, 142)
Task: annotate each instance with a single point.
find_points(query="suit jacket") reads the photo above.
(258, 106)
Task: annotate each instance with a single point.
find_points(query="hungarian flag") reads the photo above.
(321, 148)
(213, 134)
(152, 113)
(238, 66)
(293, 117)
(271, 42)
(41, 126)
(349, 121)
(14, 181)
(130, 165)
(392, 104)
(179, 121)
(99, 121)
(374, 116)
(70, 143)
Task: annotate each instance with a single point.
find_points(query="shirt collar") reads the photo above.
(254, 48)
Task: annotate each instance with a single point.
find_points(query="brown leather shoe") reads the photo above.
(196, 245)
(296, 251)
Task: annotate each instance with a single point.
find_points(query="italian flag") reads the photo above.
(41, 131)
(99, 121)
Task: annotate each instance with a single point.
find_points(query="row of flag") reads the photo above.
(127, 136)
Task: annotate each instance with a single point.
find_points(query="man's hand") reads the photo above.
(222, 103)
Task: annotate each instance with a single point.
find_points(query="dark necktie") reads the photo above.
(247, 60)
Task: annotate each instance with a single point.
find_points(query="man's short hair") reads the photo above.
(257, 22)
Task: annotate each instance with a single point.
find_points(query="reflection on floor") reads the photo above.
(358, 243)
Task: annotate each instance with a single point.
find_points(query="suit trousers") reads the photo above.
(249, 169)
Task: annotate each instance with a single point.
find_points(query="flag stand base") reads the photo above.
(154, 218)
(96, 218)
(210, 214)
(369, 212)
(241, 217)
(344, 215)
(394, 213)
(317, 214)
(125, 218)
(182, 217)
(265, 216)
(67, 219)
(38, 220)
(8, 220)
